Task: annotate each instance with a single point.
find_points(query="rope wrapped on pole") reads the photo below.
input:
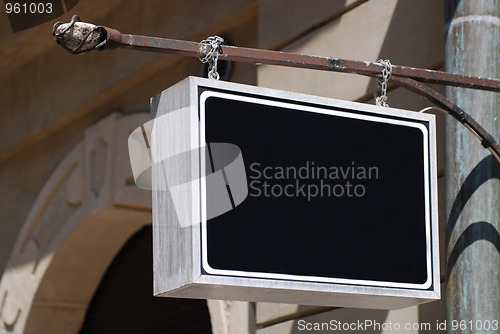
(80, 37)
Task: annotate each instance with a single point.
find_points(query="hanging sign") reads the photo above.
(265, 195)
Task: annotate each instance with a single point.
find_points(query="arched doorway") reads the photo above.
(82, 217)
(123, 302)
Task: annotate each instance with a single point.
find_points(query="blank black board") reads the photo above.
(367, 225)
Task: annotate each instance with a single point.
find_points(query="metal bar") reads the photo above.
(101, 37)
(115, 39)
(160, 45)
(402, 76)
(459, 114)
(259, 56)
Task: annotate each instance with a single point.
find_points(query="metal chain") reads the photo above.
(382, 83)
(212, 55)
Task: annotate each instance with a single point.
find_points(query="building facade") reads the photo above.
(74, 228)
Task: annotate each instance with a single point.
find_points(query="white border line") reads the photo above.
(206, 94)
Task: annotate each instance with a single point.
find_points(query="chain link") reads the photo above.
(212, 55)
(382, 83)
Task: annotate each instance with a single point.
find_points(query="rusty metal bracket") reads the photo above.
(80, 37)
(453, 110)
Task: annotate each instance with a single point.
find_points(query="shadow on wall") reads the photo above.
(487, 169)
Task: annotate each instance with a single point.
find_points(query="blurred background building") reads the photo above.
(75, 235)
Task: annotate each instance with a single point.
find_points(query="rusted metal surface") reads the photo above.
(258, 56)
(161, 45)
(401, 75)
(458, 113)
(472, 187)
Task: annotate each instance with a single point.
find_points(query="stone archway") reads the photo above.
(84, 214)
(64, 245)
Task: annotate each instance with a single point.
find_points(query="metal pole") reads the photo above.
(472, 47)
(80, 37)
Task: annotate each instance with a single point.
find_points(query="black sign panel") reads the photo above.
(334, 194)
